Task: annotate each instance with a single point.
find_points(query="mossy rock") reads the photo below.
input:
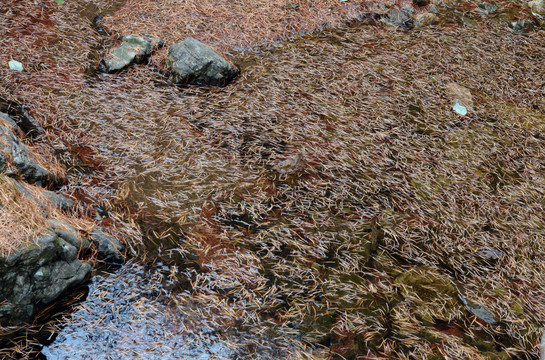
(432, 293)
(486, 345)
(425, 282)
(518, 307)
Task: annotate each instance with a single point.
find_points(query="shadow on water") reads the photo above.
(126, 315)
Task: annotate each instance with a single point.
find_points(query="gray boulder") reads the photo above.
(192, 62)
(487, 8)
(400, 17)
(108, 246)
(37, 274)
(59, 201)
(22, 188)
(16, 159)
(133, 50)
(9, 122)
(67, 232)
(523, 26)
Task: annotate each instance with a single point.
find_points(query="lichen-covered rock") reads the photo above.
(400, 17)
(487, 8)
(133, 50)
(192, 62)
(425, 19)
(37, 274)
(67, 232)
(16, 159)
(108, 246)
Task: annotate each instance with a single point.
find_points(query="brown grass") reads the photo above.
(231, 25)
(23, 220)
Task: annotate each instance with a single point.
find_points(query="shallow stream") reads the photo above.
(279, 214)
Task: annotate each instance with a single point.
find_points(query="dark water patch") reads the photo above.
(130, 313)
(25, 342)
(22, 117)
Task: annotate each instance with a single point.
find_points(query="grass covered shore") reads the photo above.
(330, 193)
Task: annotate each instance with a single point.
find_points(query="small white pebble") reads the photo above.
(15, 65)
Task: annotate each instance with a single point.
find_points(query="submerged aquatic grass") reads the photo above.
(329, 203)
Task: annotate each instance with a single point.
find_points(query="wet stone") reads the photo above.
(8, 121)
(479, 311)
(108, 246)
(192, 62)
(67, 232)
(523, 26)
(38, 274)
(487, 8)
(294, 164)
(489, 254)
(400, 17)
(133, 50)
(460, 97)
(15, 112)
(21, 188)
(21, 160)
(60, 201)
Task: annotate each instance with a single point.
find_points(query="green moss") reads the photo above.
(433, 294)
(518, 307)
(502, 355)
(426, 283)
(430, 337)
(482, 344)
(317, 321)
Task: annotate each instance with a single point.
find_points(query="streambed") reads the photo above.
(327, 202)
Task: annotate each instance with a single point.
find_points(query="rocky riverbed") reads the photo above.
(368, 190)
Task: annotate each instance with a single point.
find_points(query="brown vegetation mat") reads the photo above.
(21, 219)
(330, 194)
(232, 25)
(23, 215)
(368, 110)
